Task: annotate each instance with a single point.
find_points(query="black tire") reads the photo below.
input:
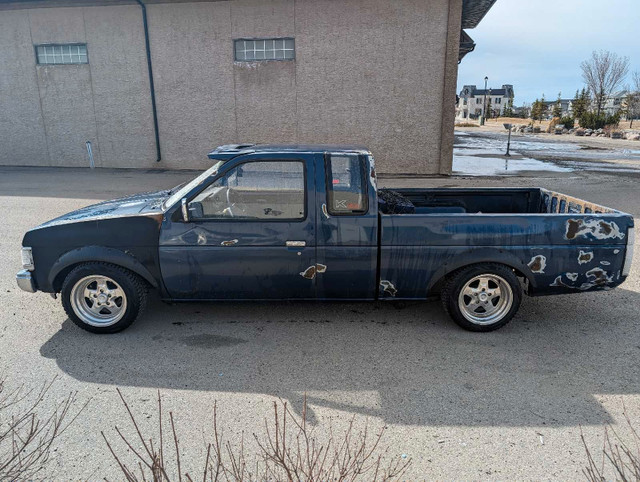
(455, 282)
(134, 287)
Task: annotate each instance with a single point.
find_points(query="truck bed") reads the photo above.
(555, 242)
(496, 200)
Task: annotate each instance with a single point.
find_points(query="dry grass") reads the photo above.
(27, 437)
(619, 460)
(287, 450)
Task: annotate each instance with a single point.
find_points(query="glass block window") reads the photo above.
(62, 54)
(251, 50)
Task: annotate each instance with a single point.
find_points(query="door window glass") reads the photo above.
(346, 184)
(269, 190)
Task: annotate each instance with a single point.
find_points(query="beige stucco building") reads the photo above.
(376, 72)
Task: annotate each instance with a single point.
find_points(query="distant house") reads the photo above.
(566, 105)
(615, 102)
(472, 101)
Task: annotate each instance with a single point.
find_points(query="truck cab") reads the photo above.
(278, 222)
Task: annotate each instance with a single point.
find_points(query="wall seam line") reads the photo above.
(295, 73)
(35, 71)
(233, 71)
(93, 96)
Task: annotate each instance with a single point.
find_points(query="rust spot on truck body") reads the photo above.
(585, 257)
(597, 228)
(558, 282)
(311, 271)
(388, 287)
(538, 264)
(231, 242)
(324, 211)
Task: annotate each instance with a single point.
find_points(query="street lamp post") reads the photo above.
(484, 102)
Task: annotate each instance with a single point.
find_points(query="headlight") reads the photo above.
(27, 259)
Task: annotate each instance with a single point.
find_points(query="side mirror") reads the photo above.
(185, 210)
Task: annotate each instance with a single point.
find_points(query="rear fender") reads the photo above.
(483, 255)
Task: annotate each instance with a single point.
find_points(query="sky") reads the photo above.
(538, 45)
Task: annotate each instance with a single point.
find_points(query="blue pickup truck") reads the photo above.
(308, 223)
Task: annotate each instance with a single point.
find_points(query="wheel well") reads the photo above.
(437, 286)
(60, 277)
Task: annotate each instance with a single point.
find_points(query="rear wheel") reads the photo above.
(482, 297)
(103, 298)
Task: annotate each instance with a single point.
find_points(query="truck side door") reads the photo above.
(347, 226)
(250, 235)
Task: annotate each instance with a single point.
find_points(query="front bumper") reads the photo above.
(25, 281)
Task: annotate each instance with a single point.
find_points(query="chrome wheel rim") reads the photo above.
(485, 299)
(98, 300)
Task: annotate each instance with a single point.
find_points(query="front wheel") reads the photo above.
(103, 298)
(482, 297)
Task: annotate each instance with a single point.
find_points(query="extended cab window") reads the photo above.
(346, 184)
(270, 190)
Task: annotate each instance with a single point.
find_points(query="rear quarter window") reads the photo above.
(346, 184)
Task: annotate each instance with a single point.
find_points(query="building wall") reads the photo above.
(372, 72)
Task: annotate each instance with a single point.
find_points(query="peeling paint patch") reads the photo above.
(231, 242)
(311, 271)
(585, 257)
(202, 239)
(616, 251)
(597, 228)
(388, 287)
(558, 282)
(572, 276)
(605, 263)
(324, 211)
(538, 264)
(596, 277)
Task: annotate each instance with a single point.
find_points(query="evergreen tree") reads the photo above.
(580, 104)
(535, 110)
(489, 113)
(557, 108)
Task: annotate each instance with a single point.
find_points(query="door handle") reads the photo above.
(296, 244)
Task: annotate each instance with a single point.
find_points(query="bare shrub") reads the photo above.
(620, 459)
(288, 450)
(27, 436)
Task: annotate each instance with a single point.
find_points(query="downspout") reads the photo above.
(151, 86)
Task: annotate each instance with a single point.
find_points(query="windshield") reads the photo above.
(184, 190)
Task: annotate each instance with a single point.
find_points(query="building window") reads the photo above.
(62, 54)
(498, 100)
(251, 50)
(479, 100)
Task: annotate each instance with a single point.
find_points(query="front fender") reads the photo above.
(102, 254)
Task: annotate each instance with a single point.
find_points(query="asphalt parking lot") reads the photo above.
(503, 405)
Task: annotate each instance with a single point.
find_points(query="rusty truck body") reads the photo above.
(270, 222)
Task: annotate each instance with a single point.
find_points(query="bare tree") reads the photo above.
(633, 98)
(602, 74)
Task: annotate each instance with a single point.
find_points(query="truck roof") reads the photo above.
(229, 151)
